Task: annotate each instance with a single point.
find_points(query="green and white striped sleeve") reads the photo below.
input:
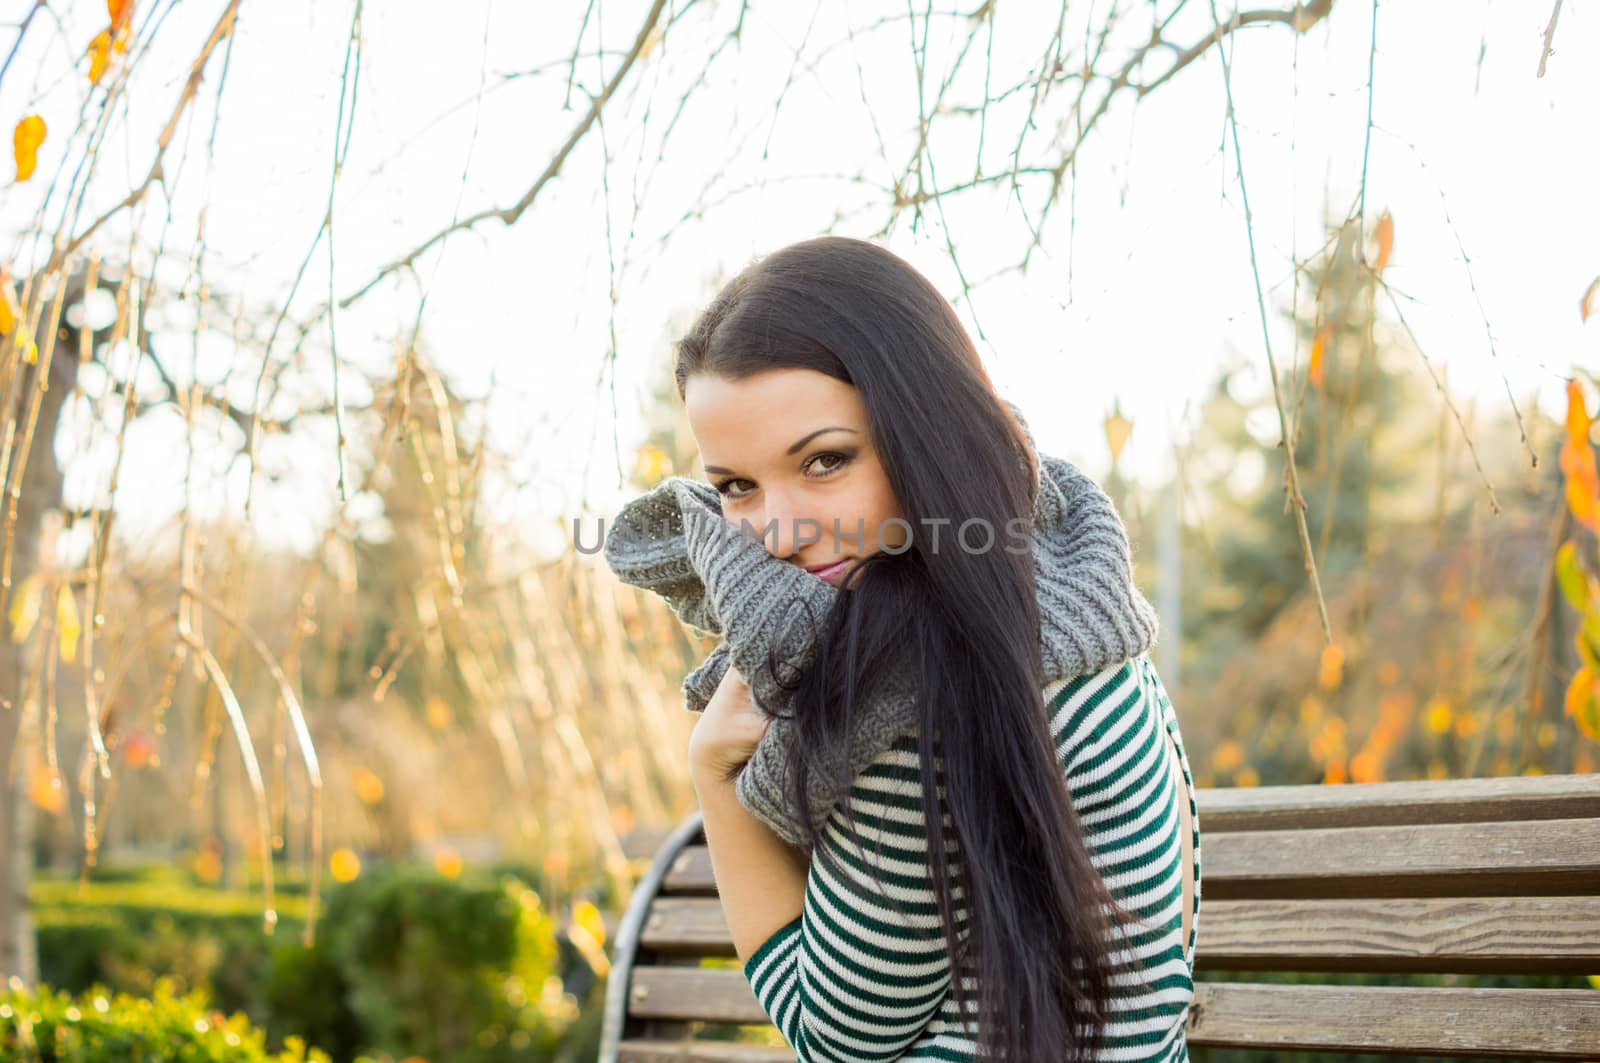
(854, 978)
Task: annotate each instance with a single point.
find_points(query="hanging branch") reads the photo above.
(1292, 476)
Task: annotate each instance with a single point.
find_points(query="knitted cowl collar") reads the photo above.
(674, 540)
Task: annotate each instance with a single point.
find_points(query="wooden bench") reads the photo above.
(1472, 876)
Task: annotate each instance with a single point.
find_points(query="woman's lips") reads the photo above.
(832, 572)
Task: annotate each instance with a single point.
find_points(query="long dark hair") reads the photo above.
(1039, 929)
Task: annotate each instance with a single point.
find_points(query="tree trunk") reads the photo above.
(41, 494)
(18, 950)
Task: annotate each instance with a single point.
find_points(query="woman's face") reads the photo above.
(789, 451)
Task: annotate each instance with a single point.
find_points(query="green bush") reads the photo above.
(124, 934)
(405, 960)
(52, 1026)
(410, 962)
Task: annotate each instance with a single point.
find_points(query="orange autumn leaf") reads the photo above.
(25, 141)
(1385, 238)
(46, 791)
(1591, 296)
(1585, 508)
(1577, 414)
(1331, 668)
(1366, 766)
(120, 11)
(99, 55)
(1581, 704)
(1319, 352)
(138, 750)
(9, 310)
(1578, 462)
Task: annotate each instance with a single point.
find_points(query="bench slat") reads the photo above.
(1463, 935)
(1527, 857)
(1502, 1023)
(1510, 1023)
(641, 1051)
(1409, 801)
(713, 994)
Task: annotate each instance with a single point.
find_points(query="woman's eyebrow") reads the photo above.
(796, 445)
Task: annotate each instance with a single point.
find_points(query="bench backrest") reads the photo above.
(1471, 876)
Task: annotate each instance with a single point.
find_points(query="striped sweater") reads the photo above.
(844, 980)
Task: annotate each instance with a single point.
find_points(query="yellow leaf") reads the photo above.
(25, 141)
(586, 915)
(1588, 653)
(650, 43)
(25, 607)
(1438, 716)
(344, 865)
(30, 349)
(1570, 576)
(46, 790)
(651, 464)
(99, 55)
(368, 786)
(1385, 238)
(438, 712)
(447, 862)
(591, 950)
(67, 622)
(1594, 980)
(1118, 429)
(1591, 297)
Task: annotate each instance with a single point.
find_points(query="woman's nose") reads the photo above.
(786, 528)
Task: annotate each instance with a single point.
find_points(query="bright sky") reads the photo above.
(1155, 295)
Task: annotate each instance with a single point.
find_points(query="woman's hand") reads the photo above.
(728, 731)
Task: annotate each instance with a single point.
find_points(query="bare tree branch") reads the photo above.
(509, 215)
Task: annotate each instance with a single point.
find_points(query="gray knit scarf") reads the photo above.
(675, 541)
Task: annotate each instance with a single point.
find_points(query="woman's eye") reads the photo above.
(841, 460)
(725, 488)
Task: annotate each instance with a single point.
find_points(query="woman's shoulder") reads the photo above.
(1078, 708)
(1096, 706)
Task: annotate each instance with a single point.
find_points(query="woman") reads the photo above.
(831, 386)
